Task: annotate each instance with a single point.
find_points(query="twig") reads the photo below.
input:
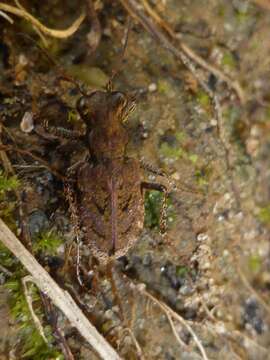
(28, 298)
(35, 157)
(5, 16)
(60, 34)
(52, 319)
(59, 297)
(185, 53)
(181, 342)
(253, 291)
(193, 56)
(177, 317)
(135, 341)
(42, 37)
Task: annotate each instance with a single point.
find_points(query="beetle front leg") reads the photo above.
(62, 132)
(163, 210)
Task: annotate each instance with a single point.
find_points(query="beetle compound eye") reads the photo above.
(119, 99)
(83, 107)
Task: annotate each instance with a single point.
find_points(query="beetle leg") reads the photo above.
(62, 132)
(110, 275)
(149, 167)
(72, 200)
(163, 211)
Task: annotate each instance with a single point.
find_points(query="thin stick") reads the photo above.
(59, 297)
(42, 37)
(135, 341)
(177, 317)
(253, 291)
(5, 16)
(28, 298)
(35, 157)
(192, 55)
(60, 34)
(181, 342)
(185, 53)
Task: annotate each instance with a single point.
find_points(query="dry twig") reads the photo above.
(59, 297)
(253, 291)
(60, 34)
(185, 54)
(173, 315)
(28, 298)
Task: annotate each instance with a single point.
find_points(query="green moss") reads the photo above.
(264, 215)
(181, 271)
(7, 203)
(221, 10)
(47, 242)
(255, 263)
(72, 116)
(171, 152)
(7, 213)
(193, 158)
(32, 344)
(175, 151)
(164, 87)
(8, 183)
(180, 136)
(153, 203)
(153, 200)
(229, 61)
(6, 258)
(242, 17)
(92, 76)
(201, 178)
(203, 99)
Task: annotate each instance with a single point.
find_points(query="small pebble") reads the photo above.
(37, 221)
(109, 314)
(202, 237)
(186, 290)
(176, 176)
(226, 253)
(152, 87)
(213, 122)
(206, 266)
(27, 123)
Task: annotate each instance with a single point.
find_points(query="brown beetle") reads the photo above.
(108, 187)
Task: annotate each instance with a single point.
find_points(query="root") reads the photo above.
(21, 12)
(170, 314)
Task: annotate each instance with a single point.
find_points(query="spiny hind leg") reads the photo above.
(170, 183)
(163, 212)
(151, 168)
(70, 195)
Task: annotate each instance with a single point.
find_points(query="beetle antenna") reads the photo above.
(119, 67)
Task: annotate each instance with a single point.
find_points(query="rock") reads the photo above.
(38, 221)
